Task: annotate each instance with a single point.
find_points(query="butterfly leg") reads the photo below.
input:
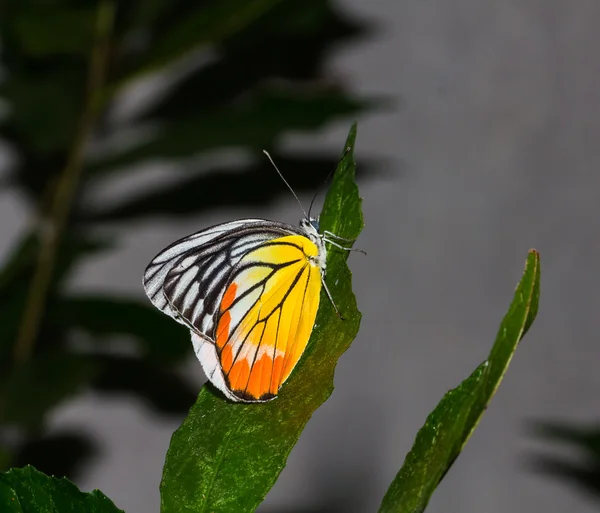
(342, 247)
(331, 299)
(331, 234)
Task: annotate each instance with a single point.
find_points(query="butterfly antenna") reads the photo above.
(348, 149)
(285, 182)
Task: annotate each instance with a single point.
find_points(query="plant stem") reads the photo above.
(51, 229)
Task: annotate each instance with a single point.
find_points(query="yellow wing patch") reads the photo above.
(266, 316)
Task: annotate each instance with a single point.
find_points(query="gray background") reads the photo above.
(492, 149)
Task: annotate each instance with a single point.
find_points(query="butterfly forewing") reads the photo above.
(186, 279)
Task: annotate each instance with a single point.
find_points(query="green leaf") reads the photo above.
(27, 490)
(28, 391)
(449, 426)
(101, 317)
(226, 456)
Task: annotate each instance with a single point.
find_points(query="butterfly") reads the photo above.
(248, 291)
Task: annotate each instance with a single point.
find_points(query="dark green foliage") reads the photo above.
(583, 470)
(252, 73)
(28, 491)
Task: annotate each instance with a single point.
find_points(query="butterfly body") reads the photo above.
(249, 292)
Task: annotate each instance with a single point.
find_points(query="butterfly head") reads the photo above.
(310, 226)
(314, 222)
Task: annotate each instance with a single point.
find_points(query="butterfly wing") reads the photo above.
(188, 281)
(266, 316)
(185, 280)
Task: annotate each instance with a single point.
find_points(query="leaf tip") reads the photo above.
(351, 139)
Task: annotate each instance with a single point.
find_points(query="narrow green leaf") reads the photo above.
(225, 456)
(449, 426)
(26, 490)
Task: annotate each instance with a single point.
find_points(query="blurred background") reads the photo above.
(125, 125)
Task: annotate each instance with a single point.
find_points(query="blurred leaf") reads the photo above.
(583, 471)
(28, 391)
(257, 184)
(11, 310)
(287, 46)
(163, 390)
(256, 122)
(143, 14)
(57, 454)
(55, 30)
(35, 171)
(19, 261)
(226, 456)
(586, 438)
(5, 459)
(17, 271)
(160, 339)
(44, 107)
(449, 426)
(204, 25)
(27, 490)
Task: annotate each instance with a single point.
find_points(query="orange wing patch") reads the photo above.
(266, 316)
